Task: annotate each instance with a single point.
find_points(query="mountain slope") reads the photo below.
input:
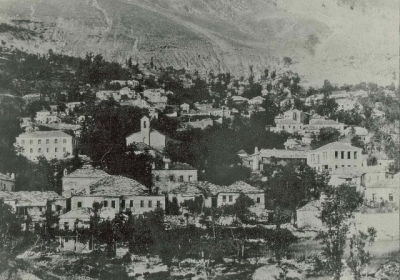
(345, 41)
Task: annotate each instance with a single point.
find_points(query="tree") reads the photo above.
(194, 206)
(337, 208)
(293, 185)
(357, 142)
(326, 135)
(242, 205)
(359, 257)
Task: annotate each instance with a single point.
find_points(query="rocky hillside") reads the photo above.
(345, 41)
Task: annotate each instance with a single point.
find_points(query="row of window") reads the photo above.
(230, 198)
(325, 156)
(47, 141)
(47, 150)
(3, 186)
(172, 178)
(24, 210)
(123, 204)
(374, 197)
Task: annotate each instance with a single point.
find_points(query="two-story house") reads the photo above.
(334, 156)
(174, 172)
(49, 144)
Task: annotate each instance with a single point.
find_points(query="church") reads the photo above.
(148, 136)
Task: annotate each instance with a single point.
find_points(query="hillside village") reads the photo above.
(82, 155)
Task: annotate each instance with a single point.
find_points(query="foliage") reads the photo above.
(326, 135)
(194, 206)
(359, 257)
(295, 184)
(339, 205)
(327, 106)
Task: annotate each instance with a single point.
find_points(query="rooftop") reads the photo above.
(44, 134)
(26, 198)
(314, 205)
(177, 166)
(356, 172)
(117, 186)
(184, 188)
(86, 213)
(87, 172)
(338, 146)
(386, 183)
(5, 177)
(282, 153)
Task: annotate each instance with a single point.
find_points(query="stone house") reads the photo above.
(80, 218)
(308, 215)
(119, 193)
(273, 157)
(7, 182)
(174, 172)
(80, 179)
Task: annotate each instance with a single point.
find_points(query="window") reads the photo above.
(283, 127)
(47, 150)
(55, 141)
(105, 203)
(171, 178)
(64, 141)
(142, 203)
(224, 198)
(373, 196)
(150, 204)
(40, 209)
(390, 197)
(123, 204)
(31, 150)
(157, 178)
(31, 142)
(348, 155)
(66, 226)
(258, 199)
(336, 167)
(326, 167)
(355, 155)
(158, 204)
(113, 203)
(47, 141)
(64, 149)
(56, 150)
(190, 178)
(181, 178)
(23, 142)
(76, 224)
(79, 204)
(230, 198)
(342, 154)
(131, 204)
(39, 141)
(144, 124)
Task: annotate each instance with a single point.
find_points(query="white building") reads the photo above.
(335, 155)
(7, 182)
(384, 190)
(347, 104)
(49, 144)
(174, 172)
(80, 180)
(45, 116)
(148, 136)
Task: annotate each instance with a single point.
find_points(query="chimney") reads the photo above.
(13, 176)
(65, 172)
(153, 165)
(8, 175)
(255, 150)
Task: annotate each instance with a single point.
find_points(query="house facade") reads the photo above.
(7, 182)
(334, 156)
(50, 144)
(80, 180)
(273, 157)
(174, 172)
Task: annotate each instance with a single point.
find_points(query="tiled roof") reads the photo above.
(183, 188)
(282, 153)
(87, 172)
(34, 198)
(323, 122)
(5, 177)
(44, 134)
(177, 166)
(337, 146)
(117, 186)
(86, 213)
(61, 126)
(357, 171)
(314, 205)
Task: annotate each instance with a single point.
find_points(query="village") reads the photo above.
(122, 152)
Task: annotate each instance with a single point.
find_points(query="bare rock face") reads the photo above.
(345, 41)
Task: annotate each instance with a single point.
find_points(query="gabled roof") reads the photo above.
(282, 153)
(87, 172)
(177, 166)
(337, 146)
(314, 205)
(45, 134)
(35, 198)
(5, 177)
(116, 186)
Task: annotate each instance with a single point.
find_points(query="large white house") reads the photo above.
(335, 155)
(49, 144)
